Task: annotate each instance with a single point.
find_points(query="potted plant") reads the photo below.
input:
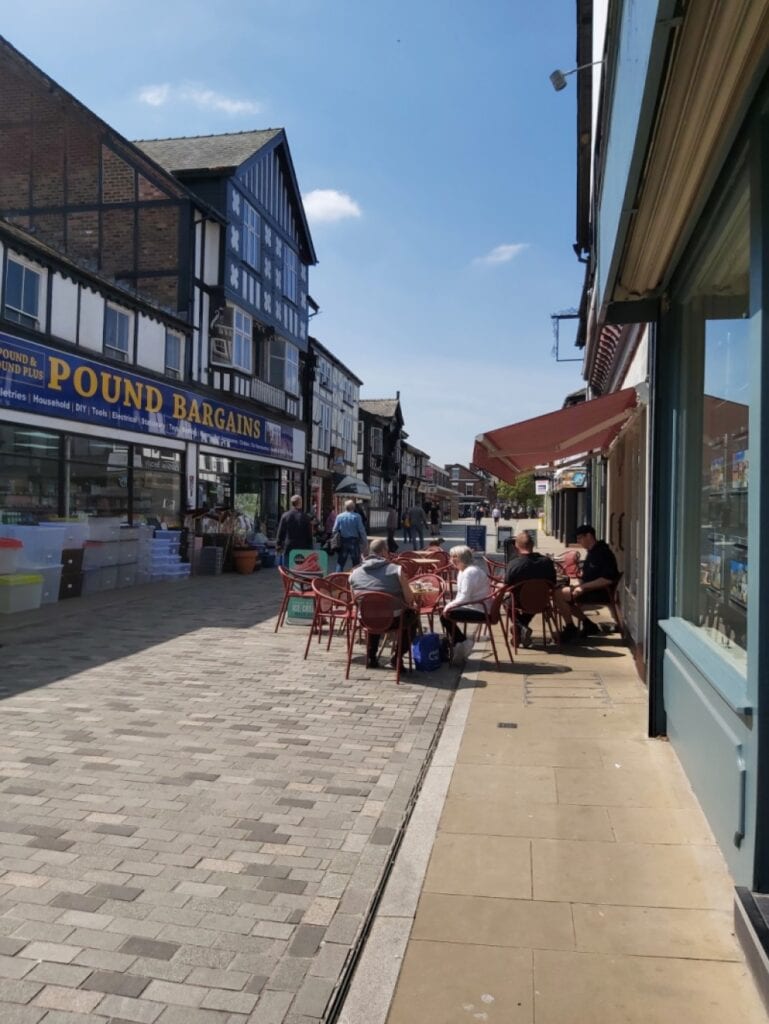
(245, 556)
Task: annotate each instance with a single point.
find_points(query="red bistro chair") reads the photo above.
(294, 585)
(333, 606)
(494, 570)
(431, 598)
(378, 614)
(492, 607)
(535, 597)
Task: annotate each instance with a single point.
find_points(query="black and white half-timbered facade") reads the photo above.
(150, 331)
(258, 312)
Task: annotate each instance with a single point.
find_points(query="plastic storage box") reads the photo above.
(10, 550)
(75, 531)
(43, 545)
(104, 528)
(20, 592)
(51, 584)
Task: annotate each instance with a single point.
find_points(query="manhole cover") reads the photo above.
(567, 690)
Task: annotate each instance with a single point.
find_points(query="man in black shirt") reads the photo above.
(527, 564)
(599, 572)
(294, 529)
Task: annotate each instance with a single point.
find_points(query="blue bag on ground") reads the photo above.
(426, 652)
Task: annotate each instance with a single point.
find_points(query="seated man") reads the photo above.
(527, 564)
(599, 572)
(376, 575)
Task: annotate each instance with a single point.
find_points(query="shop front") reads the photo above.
(81, 440)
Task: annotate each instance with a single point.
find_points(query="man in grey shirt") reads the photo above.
(375, 575)
(418, 525)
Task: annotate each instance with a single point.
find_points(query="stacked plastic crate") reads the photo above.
(159, 557)
(19, 591)
(40, 556)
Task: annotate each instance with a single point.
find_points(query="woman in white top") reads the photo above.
(473, 594)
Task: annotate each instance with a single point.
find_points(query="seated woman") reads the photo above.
(471, 600)
(376, 574)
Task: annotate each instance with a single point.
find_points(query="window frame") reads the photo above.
(172, 371)
(242, 341)
(22, 316)
(252, 235)
(290, 273)
(123, 355)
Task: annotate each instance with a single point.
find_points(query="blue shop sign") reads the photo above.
(37, 379)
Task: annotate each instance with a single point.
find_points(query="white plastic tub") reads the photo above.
(126, 575)
(104, 528)
(20, 592)
(10, 552)
(75, 531)
(93, 554)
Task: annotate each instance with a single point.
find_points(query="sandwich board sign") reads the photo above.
(307, 563)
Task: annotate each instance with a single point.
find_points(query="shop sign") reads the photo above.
(37, 379)
(571, 478)
(541, 486)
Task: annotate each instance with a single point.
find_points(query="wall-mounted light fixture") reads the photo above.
(558, 78)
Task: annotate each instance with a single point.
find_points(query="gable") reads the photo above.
(270, 178)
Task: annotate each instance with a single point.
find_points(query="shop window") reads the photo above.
(29, 473)
(713, 585)
(157, 487)
(117, 325)
(214, 482)
(21, 300)
(173, 356)
(97, 477)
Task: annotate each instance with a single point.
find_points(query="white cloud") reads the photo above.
(501, 253)
(198, 95)
(327, 204)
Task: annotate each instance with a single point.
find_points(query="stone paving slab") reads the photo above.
(193, 820)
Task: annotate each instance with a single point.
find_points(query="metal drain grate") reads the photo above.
(507, 725)
(566, 690)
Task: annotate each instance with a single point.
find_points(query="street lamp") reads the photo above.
(558, 78)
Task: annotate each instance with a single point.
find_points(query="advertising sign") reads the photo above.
(541, 486)
(308, 563)
(38, 379)
(475, 538)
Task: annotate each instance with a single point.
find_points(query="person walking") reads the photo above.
(495, 515)
(294, 530)
(418, 523)
(352, 534)
(391, 525)
(435, 519)
(406, 522)
(478, 515)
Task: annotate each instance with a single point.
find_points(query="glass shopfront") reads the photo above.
(44, 473)
(258, 490)
(712, 591)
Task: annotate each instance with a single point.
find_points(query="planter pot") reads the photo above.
(245, 560)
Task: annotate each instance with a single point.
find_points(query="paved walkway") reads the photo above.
(557, 868)
(194, 821)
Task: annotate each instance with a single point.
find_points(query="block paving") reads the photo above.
(194, 821)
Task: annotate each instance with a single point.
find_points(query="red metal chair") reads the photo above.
(492, 617)
(294, 585)
(534, 597)
(378, 614)
(410, 568)
(611, 602)
(430, 598)
(333, 606)
(568, 563)
(494, 570)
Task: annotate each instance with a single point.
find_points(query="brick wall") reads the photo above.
(81, 189)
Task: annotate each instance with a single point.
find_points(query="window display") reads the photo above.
(719, 332)
(29, 473)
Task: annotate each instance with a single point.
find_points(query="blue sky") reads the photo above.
(438, 162)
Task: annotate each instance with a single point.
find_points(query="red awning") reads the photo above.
(589, 426)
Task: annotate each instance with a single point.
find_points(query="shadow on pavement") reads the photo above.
(59, 640)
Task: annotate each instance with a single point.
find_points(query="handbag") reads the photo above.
(335, 541)
(426, 652)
